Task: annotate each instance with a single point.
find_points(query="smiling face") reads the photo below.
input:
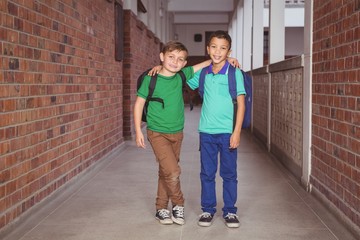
(173, 57)
(172, 62)
(218, 50)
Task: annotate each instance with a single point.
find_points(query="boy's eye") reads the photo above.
(171, 57)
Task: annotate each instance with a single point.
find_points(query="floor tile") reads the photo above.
(117, 201)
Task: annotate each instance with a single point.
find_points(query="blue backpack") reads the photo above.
(232, 91)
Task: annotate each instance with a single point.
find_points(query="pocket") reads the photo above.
(223, 89)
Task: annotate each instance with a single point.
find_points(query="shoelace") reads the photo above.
(179, 211)
(231, 216)
(164, 213)
(205, 215)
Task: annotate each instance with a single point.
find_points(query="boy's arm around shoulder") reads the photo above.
(201, 65)
(233, 61)
(155, 70)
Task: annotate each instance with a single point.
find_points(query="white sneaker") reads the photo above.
(178, 215)
(163, 215)
(231, 220)
(205, 219)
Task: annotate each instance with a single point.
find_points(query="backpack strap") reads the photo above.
(232, 91)
(248, 99)
(183, 77)
(151, 91)
(203, 73)
(232, 82)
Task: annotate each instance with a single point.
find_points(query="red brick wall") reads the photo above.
(336, 105)
(141, 52)
(60, 96)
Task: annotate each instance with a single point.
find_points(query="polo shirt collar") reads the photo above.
(223, 70)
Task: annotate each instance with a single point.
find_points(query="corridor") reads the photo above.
(115, 200)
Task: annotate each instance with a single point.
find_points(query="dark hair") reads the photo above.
(173, 45)
(222, 35)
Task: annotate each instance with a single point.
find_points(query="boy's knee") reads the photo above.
(173, 177)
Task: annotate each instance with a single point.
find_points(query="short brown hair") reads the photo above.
(222, 35)
(173, 45)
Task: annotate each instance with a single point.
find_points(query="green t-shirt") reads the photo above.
(169, 119)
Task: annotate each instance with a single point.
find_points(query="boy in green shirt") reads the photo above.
(165, 128)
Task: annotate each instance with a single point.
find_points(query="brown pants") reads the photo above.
(166, 148)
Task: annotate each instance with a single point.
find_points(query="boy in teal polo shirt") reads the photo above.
(217, 135)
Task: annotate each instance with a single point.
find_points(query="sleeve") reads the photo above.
(240, 88)
(188, 71)
(143, 91)
(194, 81)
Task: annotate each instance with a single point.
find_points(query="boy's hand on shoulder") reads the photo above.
(155, 70)
(234, 62)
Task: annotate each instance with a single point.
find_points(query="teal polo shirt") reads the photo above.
(217, 109)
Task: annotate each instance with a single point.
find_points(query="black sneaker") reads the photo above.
(163, 215)
(205, 219)
(178, 215)
(232, 220)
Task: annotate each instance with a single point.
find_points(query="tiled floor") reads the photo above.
(116, 201)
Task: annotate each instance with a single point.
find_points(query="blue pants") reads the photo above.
(211, 145)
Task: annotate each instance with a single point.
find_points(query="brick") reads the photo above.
(42, 114)
(12, 9)
(336, 34)
(14, 64)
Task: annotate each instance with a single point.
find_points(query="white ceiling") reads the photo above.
(200, 11)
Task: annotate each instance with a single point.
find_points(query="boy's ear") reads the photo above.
(161, 57)
(207, 49)
(184, 64)
(229, 52)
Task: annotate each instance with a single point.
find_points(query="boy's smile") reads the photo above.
(218, 50)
